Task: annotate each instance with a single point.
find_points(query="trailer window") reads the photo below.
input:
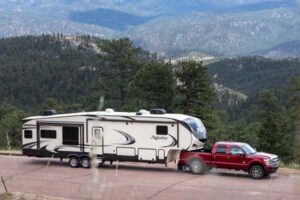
(49, 134)
(27, 134)
(71, 135)
(221, 149)
(197, 128)
(161, 130)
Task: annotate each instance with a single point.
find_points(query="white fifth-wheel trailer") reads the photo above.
(154, 137)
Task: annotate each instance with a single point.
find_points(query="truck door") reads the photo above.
(98, 141)
(220, 156)
(237, 158)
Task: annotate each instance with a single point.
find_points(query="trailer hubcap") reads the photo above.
(74, 162)
(85, 163)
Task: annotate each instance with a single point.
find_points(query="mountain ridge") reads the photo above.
(227, 28)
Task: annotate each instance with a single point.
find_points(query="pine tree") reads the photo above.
(295, 101)
(10, 126)
(274, 133)
(121, 58)
(195, 92)
(153, 86)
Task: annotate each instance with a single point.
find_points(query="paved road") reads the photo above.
(140, 181)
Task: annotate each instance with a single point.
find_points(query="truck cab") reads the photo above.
(230, 155)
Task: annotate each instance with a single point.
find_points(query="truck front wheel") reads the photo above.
(256, 172)
(196, 166)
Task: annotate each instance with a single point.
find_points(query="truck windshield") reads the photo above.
(248, 149)
(197, 127)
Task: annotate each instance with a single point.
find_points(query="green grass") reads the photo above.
(6, 196)
(291, 165)
(17, 196)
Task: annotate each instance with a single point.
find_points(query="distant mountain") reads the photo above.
(209, 27)
(226, 35)
(287, 50)
(108, 18)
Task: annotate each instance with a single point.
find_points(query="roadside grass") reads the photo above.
(6, 196)
(19, 196)
(291, 165)
(10, 149)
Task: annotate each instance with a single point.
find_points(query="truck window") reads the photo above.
(28, 134)
(161, 130)
(49, 134)
(235, 150)
(70, 135)
(221, 149)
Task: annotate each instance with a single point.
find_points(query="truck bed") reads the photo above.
(203, 154)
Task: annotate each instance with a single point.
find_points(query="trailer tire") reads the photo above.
(256, 172)
(85, 162)
(74, 162)
(196, 166)
(180, 167)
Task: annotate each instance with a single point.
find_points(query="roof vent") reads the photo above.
(49, 112)
(109, 110)
(143, 112)
(158, 111)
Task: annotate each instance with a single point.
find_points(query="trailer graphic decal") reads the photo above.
(129, 139)
(174, 142)
(31, 144)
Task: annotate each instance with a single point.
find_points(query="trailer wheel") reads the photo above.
(74, 162)
(196, 166)
(256, 172)
(85, 162)
(179, 167)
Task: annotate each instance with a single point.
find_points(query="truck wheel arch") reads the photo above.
(254, 163)
(199, 161)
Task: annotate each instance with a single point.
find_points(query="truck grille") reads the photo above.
(275, 162)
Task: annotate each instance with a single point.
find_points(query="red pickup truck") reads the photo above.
(230, 155)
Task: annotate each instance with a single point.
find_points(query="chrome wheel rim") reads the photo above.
(85, 163)
(74, 162)
(195, 167)
(257, 172)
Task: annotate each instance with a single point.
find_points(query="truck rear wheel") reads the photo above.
(256, 172)
(196, 166)
(74, 162)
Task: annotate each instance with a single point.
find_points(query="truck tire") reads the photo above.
(196, 166)
(73, 162)
(256, 172)
(85, 162)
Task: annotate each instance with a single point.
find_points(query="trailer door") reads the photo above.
(98, 141)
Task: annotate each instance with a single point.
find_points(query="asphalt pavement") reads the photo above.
(50, 177)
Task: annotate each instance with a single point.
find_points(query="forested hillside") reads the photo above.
(35, 68)
(82, 73)
(250, 75)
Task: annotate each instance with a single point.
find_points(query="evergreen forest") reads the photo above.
(249, 99)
